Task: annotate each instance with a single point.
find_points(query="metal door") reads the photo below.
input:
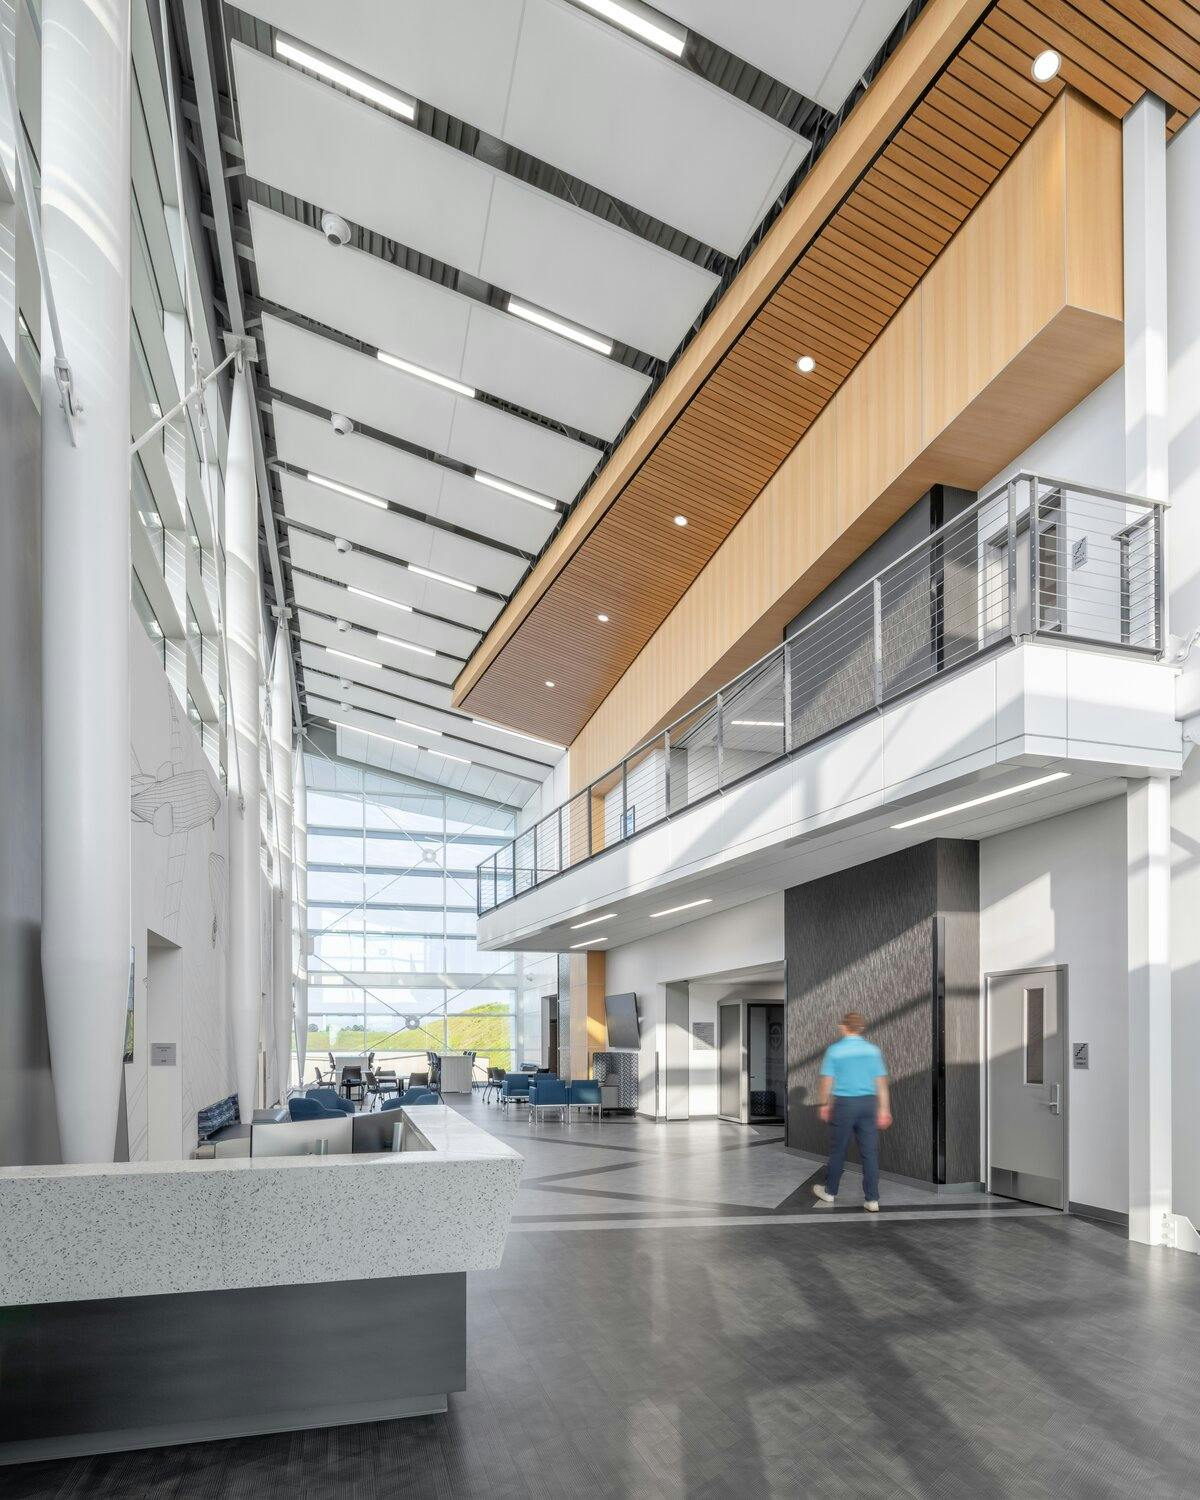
(1026, 1085)
(732, 1103)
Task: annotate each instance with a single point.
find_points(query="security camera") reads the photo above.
(342, 544)
(344, 684)
(343, 426)
(343, 625)
(335, 229)
(346, 707)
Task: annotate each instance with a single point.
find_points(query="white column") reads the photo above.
(1148, 803)
(85, 587)
(300, 882)
(1148, 876)
(1144, 135)
(281, 762)
(243, 595)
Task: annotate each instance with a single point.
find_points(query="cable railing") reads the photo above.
(1036, 557)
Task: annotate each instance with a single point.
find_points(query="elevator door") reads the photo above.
(732, 1094)
(1026, 1024)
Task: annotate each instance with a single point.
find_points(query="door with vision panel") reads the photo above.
(1026, 1085)
(732, 1101)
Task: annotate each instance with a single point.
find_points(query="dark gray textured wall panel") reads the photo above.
(864, 939)
(133, 1371)
(28, 1128)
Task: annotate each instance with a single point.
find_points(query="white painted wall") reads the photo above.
(1054, 893)
(1183, 581)
(741, 937)
(180, 891)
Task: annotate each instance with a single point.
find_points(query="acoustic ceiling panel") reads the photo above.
(413, 758)
(316, 554)
(322, 632)
(401, 537)
(336, 600)
(377, 468)
(589, 270)
(337, 378)
(626, 118)
(403, 684)
(336, 152)
(456, 54)
(471, 781)
(430, 325)
(816, 48)
(379, 693)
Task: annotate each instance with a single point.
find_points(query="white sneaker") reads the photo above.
(872, 1205)
(819, 1191)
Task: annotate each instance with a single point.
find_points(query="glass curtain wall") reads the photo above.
(393, 966)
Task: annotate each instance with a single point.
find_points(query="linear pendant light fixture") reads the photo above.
(542, 319)
(394, 640)
(391, 738)
(517, 734)
(345, 78)
(345, 489)
(642, 22)
(353, 588)
(1009, 791)
(455, 583)
(362, 661)
(422, 373)
(513, 489)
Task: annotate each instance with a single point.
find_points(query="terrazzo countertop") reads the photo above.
(132, 1229)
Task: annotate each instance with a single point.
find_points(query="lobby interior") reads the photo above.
(550, 551)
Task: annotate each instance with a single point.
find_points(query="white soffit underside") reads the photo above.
(338, 153)
(337, 378)
(816, 47)
(399, 536)
(309, 442)
(626, 118)
(316, 554)
(430, 325)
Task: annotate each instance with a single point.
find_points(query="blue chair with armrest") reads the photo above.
(515, 1089)
(301, 1107)
(411, 1096)
(547, 1094)
(584, 1093)
(331, 1099)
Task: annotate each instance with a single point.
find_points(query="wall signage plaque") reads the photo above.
(1079, 1054)
(162, 1054)
(703, 1035)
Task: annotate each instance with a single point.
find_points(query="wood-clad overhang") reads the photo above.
(923, 146)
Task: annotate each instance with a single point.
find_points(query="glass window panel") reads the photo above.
(1035, 1039)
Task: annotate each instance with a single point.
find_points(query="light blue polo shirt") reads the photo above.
(854, 1064)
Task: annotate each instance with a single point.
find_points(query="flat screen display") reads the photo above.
(620, 1012)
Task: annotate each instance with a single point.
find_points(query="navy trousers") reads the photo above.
(855, 1116)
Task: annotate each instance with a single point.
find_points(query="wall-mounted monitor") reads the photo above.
(621, 1016)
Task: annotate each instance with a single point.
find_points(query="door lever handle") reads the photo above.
(1054, 1103)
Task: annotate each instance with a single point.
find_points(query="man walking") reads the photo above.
(853, 1072)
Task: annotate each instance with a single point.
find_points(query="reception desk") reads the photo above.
(161, 1302)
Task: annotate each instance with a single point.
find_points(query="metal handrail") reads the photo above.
(918, 612)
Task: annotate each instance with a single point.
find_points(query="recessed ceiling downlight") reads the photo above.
(681, 520)
(806, 364)
(1046, 65)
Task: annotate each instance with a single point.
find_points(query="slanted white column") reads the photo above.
(281, 764)
(300, 882)
(1148, 875)
(85, 585)
(1148, 803)
(243, 595)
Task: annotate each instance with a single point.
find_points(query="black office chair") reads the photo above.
(352, 1081)
(418, 1080)
(495, 1081)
